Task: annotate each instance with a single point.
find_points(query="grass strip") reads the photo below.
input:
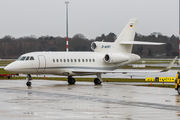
(158, 85)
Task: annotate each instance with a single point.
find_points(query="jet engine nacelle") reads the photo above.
(115, 58)
(101, 46)
(94, 45)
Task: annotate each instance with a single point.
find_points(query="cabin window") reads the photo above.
(82, 60)
(79, 60)
(89, 60)
(60, 60)
(86, 60)
(93, 60)
(67, 60)
(71, 60)
(31, 58)
(53, 60)
(27, 58)
(64, 60)
(57, 60)
(74, 60)
(23, 58)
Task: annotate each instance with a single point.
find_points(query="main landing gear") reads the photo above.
(29, 79)
(98, 80)
(71, 80)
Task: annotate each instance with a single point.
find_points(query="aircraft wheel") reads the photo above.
(97, 81)
(28, 84)
(71, 81)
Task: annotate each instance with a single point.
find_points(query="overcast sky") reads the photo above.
(90, 17)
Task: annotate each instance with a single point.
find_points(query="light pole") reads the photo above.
(67, 44)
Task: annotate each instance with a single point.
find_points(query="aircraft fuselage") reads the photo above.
(63, 63)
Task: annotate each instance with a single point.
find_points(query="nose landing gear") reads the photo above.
(29, 79)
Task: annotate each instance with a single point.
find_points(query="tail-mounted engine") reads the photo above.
(115, 58)
(93, 46)
(101, 46)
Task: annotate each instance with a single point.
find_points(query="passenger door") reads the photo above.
(42, 63)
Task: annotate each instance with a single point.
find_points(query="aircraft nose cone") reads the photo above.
(10, 68)
(7, 68)
(13, 67)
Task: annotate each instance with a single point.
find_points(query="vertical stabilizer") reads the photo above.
(126, 35)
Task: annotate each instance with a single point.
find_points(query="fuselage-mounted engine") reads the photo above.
(115, 58)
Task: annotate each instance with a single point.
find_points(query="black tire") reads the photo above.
(71, 81)
(97, 81)
(28, 84)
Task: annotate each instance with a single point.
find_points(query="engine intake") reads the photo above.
(115, 58)
(93, 46)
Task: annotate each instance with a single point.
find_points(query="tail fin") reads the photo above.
(126, 35)
(124, 42)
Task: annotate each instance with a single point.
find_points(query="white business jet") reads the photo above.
(105, 58)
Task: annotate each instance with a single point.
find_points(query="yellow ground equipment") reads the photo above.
(177, 82)
(150, 79)
(165, 79)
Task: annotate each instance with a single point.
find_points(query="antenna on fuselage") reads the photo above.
(67, 44)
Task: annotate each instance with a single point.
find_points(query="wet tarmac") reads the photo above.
(54, 100)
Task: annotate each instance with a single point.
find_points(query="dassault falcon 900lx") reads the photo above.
(105, 58)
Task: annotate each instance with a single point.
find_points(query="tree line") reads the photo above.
(11, 47)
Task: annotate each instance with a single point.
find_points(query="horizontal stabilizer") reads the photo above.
(140, 43)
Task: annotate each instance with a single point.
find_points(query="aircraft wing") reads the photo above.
(124, 71)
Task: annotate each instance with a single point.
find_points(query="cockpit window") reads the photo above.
(22, 58)
(32, 58)
(27, 58)
(19, 58)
